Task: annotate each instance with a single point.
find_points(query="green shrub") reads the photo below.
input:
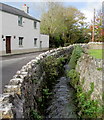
(88, 108)
(34, 115)
(76, 54)
(66, 44)
(53, 68)
(46, 93)
(74, 76)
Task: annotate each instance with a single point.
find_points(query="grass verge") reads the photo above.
(96, 53)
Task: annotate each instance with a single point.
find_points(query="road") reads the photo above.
(9, 65)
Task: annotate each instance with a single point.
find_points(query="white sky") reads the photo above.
(87, 9)
(51, 1)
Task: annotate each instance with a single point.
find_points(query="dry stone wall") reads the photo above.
(91, 70)
(96, 45)
(20, 95)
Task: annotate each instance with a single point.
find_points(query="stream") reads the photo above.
(62, 104)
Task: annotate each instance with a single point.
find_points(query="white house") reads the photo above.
(20, 32)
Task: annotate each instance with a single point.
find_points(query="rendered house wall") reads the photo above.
(0, 31)
(11, 28)
(45, 40)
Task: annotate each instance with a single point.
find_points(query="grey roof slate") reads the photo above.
(15, 11)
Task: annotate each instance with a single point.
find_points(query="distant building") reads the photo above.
(20, 32)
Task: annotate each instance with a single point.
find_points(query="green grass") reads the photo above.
(96, 53)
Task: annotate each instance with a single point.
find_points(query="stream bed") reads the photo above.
(62, 104)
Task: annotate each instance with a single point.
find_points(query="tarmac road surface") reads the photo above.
(9, 65)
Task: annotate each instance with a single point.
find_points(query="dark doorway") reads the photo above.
(8, 44)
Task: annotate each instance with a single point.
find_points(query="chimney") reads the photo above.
(25, 8)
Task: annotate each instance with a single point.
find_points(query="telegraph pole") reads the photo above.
(93, 30)
(102, 21)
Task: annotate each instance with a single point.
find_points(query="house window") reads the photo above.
(27, 9)
(20, 41)
(35, 41)
(35, 24)
(40, 44)
(20, 20)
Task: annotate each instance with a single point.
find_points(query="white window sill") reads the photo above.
(20, 46)
(20, 25)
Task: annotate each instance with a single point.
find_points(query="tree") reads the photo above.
(52, 23)
(64, 25)
(74, 23)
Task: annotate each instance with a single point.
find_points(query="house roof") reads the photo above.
(15, 11)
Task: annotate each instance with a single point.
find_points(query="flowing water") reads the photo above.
(62, 104)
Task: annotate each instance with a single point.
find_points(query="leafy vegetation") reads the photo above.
(99, 69)
(53, 69)
(96, 53)
(87, 108)
(65, 25)
(74, 76)
(35, 115)
(76, 54)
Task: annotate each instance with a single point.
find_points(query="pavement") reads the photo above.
(9, 65)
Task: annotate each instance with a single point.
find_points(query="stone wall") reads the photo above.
(91, 70)
(96, 45)
(20, 95)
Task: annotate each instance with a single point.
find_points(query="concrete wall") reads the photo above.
(0, 50)
(0, 31)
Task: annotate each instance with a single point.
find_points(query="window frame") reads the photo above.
(41, 44)
(20, 42)
(35, 25)
(35, 42)
(20, 21)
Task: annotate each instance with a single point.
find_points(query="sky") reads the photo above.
(85, 6)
